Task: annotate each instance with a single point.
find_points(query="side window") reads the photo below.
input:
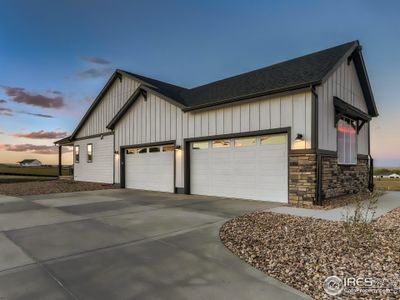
(89, 153)
(77, 154)
(346, 142)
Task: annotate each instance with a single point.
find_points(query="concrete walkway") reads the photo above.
(387, 202)
(125, 244)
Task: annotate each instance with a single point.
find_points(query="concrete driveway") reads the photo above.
(125, 244)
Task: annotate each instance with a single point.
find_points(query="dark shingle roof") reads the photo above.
(301, 71)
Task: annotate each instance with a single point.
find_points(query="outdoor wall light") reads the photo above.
(178, 147)
(299, 137)
(116, 152)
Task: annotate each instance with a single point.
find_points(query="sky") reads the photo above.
(55, 56)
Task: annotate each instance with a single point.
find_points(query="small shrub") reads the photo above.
(357, 220)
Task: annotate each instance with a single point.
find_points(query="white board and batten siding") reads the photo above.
(344, 84)
(110, 104)
(157, 120)
(101, 167)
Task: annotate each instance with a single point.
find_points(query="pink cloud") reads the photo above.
(38, 149)
(42, 135)
(19, 95)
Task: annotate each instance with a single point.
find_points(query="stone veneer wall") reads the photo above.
(302, 179)
(339, 180)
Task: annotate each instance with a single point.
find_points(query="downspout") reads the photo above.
(318, 196)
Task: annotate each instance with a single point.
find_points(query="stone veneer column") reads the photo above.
(302, 179)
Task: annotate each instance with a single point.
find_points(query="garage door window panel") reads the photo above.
(132, 151)
(154, 149)
(142, 150)
(200, 146)
(221, 144)
(168, 148)
(272, 140)
(245, 142)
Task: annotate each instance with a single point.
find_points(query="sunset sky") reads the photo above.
(55, 56)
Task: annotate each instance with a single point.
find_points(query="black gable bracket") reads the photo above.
(344, 109)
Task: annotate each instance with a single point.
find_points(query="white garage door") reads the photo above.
(150, 168)
(249, 168)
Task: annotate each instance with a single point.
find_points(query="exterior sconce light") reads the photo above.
(116, 152)
(178, 147)
(299, 138)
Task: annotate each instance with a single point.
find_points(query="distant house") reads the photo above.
(30, 163)
(393, 175)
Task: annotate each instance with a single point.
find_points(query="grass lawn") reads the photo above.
(387, 184)
(38, 171)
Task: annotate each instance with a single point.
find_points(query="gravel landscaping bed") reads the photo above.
(49, 187)
(302, 252)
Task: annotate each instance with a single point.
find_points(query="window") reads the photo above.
(154, 149)
(89, 153)
(346, 142)
(245, 142)
(200, 145)
(77, 153)
(132, 151)
(275, 139)
(168, 148)
(221, 144)
(142, 150)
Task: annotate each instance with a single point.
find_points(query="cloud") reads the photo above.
(38, 149)
(42, 135)
(54, 92)
(6, 112)
(94, 73)
(19, 95)
(96, 60)
(36, 115)
(2, 101)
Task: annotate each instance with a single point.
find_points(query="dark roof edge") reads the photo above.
(125, 107)
(364, 81)
(251, 96)
(141, 90)
(356, 54)
(110, 81)
(62, 141)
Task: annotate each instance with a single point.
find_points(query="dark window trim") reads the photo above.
(87, 153)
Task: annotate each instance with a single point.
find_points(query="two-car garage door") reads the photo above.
(246, 167)
(249, 168)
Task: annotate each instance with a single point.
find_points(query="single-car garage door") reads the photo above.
(249, 168)
(150, 168)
